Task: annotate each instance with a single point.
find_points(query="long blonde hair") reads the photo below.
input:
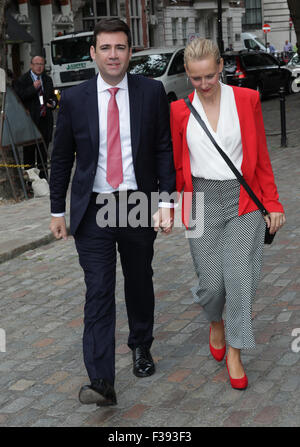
(200, 49)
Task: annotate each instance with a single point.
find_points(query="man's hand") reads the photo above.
(58, 227)
(51, 104)
(164, 220)
(37, 84)
(275, 221)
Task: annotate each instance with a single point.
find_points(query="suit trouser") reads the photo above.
(97, 256)
(30, 151)
(227, 259)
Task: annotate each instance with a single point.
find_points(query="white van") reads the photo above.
(252, 42)
(70, 61)
(166, 65)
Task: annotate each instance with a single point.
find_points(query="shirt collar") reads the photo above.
(102, 85)
(33, 75)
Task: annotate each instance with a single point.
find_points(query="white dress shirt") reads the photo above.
(122, 98)
(206, 162)
(129, 180)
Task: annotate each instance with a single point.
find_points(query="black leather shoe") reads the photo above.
(100, 392)
(143, 365)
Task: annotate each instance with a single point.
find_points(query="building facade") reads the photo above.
(274, 13)
(46, 19)
(153, 23)
(179, 20)
(277, 14)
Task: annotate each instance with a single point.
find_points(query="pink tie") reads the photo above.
(114, 169)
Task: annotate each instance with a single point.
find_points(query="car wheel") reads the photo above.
(295, 85)
(288, 86)
(172, 97)
(259, 89)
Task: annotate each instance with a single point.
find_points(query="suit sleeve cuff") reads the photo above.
(167, 205)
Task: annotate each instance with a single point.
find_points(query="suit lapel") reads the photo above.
(135, 106)
(91, 110)
(248, 132)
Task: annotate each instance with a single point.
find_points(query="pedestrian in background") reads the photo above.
(228, 256)
(35, 89)
(118, 125)
(270, 48)
(287, 47)
(287, 50)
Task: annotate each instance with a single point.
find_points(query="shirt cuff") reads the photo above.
(167, 205)
(57, 214)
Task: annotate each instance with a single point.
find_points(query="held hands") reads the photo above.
(164, 219)
(275, 221)
(58, 227)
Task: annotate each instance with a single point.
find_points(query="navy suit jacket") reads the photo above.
(77, 135)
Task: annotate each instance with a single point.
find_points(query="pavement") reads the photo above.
(42, 298)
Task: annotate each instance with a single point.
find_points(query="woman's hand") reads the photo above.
(275, 221)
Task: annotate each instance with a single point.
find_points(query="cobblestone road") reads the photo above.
(41, 302)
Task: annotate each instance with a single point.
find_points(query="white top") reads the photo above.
(206, 162)
(122, 98)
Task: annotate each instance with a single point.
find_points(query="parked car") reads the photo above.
(165, 65)
(257, 70)
(294, 67)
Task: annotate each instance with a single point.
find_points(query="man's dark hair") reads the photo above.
(111, 26)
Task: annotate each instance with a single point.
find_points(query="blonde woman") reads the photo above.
(228, 256)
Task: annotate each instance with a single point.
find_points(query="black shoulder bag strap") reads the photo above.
(226, 158)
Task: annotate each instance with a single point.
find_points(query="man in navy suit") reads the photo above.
(117, 124)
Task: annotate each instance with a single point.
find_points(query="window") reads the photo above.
(209, 26)
(184, 31)
(68, 51)
(153, 65)
(230, 64)
(174, 31)
(269, 60)
(94, 10)
(253, 17)
(254, 60)
(250, 44)
(177, 65)
(56, 7)
(135, 23)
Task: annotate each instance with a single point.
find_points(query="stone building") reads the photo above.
(178, 20)
(274, 13)
(277, 14)
(152, 22)
(46, 19)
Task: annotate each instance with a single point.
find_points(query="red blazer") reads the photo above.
(256, 166)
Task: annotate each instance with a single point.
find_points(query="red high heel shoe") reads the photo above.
(239, 384)
(218, 354)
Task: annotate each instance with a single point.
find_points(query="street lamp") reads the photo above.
(220, 31)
